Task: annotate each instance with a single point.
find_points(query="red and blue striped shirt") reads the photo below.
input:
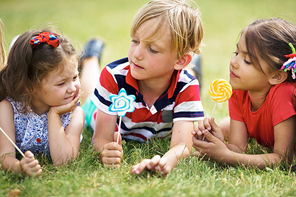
(181, 101)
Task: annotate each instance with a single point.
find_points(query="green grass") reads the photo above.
(111, 19)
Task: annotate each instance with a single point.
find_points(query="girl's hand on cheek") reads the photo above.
(67, 107)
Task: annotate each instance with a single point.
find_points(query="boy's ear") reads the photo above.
(183, 62)
(278, 77)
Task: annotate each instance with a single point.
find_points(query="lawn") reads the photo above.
(111, 19)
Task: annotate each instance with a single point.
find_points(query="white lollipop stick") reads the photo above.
(12, 143)
(220, 90)
(214, 109)
(119, 126)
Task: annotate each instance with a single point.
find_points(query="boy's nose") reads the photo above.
(138, 52)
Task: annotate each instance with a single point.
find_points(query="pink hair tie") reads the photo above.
(45, 37)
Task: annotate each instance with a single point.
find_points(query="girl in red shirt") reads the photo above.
(262, 103)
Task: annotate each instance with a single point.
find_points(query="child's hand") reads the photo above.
(112, 153)
(30, 165)
(67, 107)
(156, 164)
(207, 125)
(213, 149)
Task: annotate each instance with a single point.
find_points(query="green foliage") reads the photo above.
(111, 19)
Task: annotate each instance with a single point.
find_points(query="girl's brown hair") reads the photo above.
(27, 66)
(269, 39)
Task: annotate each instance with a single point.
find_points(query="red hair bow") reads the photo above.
(45, 37)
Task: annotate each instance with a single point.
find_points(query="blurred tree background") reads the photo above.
(111, 20)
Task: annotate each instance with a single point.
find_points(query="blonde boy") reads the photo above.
(164, 35)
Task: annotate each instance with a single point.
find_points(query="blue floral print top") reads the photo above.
(31, 130)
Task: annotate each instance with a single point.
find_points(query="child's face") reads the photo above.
(58, 88)
(151, 59)
(243, 74)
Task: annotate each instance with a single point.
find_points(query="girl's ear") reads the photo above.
(183, 62)
(278, 77)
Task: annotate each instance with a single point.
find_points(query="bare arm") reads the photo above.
(104, 139)
(181, 143)
(64, 144)
(7, 151)
(28, 165)
(217, 150)
(180, 147)
(284, 137)
(238, 136)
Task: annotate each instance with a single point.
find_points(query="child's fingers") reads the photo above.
(162, 165)
(29, 157)
(34, 172)
(111, 161)
(206, 124)
(78, 94)
(157, 164)
(33, 163)
(213, 124)
(29, 154)
(200, 125)
(166, 170)
(37, 173)
(73, 103)
(162, 162)
(139, 168)
(112, 146)
(112, 158)
(111, 154)
(154, 162)
(117, 135)
(31, 166)
(197, 128)
(210, 137)
(135, 170)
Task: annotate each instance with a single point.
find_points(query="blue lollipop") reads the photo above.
(121, 103)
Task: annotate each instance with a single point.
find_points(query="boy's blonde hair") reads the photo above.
(184, 23)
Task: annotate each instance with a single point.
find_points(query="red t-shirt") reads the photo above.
(277, 107)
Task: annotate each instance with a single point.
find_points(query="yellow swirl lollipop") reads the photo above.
(220, 90)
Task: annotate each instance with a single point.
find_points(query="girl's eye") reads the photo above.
(74, 78)
(60, 84)
(247, 62)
